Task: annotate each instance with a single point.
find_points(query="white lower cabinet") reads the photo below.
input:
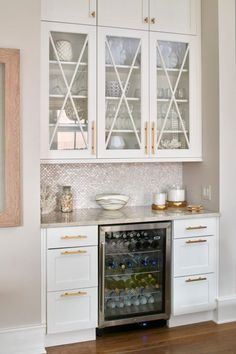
(194, 294)
(195, 254)
(71, 310)
(71, 279)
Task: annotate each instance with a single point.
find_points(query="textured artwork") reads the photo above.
(2, 139)
(137, 180)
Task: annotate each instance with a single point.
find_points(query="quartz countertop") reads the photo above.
(98, 216)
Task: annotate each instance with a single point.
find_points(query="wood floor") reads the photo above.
(207, 338)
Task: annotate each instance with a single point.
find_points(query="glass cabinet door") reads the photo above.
(71, 92)
(122, 84)
(174, 95)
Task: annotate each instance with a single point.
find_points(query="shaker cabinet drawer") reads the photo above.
(194, 227)
(194, 255)
(72, 236)
(71, 310)
(71, 268)
(194, 294)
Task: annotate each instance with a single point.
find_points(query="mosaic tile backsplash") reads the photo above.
(138, 180)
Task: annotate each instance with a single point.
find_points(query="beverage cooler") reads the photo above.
(134, 273)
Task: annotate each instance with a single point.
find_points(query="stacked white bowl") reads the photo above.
(112, 201)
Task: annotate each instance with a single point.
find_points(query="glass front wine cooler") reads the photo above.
(134, 276)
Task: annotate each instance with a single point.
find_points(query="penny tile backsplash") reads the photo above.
(138, 180)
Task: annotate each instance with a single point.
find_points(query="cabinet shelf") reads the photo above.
(73, 96)
(123, 273)
(173, 131)
(168, 100)
(125, 67)
(122, 131)
(176, 70)
(55, 62)
(118, 98)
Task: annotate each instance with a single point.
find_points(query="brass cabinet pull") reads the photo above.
(153, 138)
(146, 20)
(153, 20)
(195, 241)
(190, 280)
(94, 143)
(73, 237)
(73, 252)
(200, 227)
(79, 293)
(93, 14)
(146, 138)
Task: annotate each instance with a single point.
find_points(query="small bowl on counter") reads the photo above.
(112, 201)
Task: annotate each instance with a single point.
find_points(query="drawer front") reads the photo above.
(72, 268)
(72, 310)
(194, 294)
(195, 255)
(72, 236)
(194, 227)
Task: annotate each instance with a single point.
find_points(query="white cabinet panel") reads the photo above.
(71, 11)
(122, 95)
(194, 294)
(174, 16)
(123, 13)
(175, 96)
(194, 255)
(72, 236)
(71, 268)
(68, 91)
(194, 227)
(71, 310)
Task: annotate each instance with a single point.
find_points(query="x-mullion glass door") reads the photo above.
(68, 91)
(174, 86)
(122, 93)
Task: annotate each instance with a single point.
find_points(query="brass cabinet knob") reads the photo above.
(153, 20)
(93, 14)
(146, 20)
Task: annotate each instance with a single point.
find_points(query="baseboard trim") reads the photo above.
(70, 337)
(226, 309)
(191, 318)
(23, 340)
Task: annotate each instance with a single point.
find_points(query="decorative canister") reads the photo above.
(64, 50)
(159, 201)
(66, 200)
(176, 196)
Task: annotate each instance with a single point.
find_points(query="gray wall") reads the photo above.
(20, 247)
(227, 74)
(207, 172)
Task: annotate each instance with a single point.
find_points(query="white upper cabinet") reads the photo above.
(175, 112)
(174, 16)
(68, 91)
(123, 13)
(122, 95)
(70, 11)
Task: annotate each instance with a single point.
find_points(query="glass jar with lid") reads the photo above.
(66, 201)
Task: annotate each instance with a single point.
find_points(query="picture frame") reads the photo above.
(10, 213)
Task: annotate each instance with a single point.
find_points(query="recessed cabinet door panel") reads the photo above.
(72, 268)
(122, 95)
(175, 96)
(194, 256)
(123, 13)
(71, 310)
(68, 91)
(194, 294)
(71, 11)
(173, 16)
